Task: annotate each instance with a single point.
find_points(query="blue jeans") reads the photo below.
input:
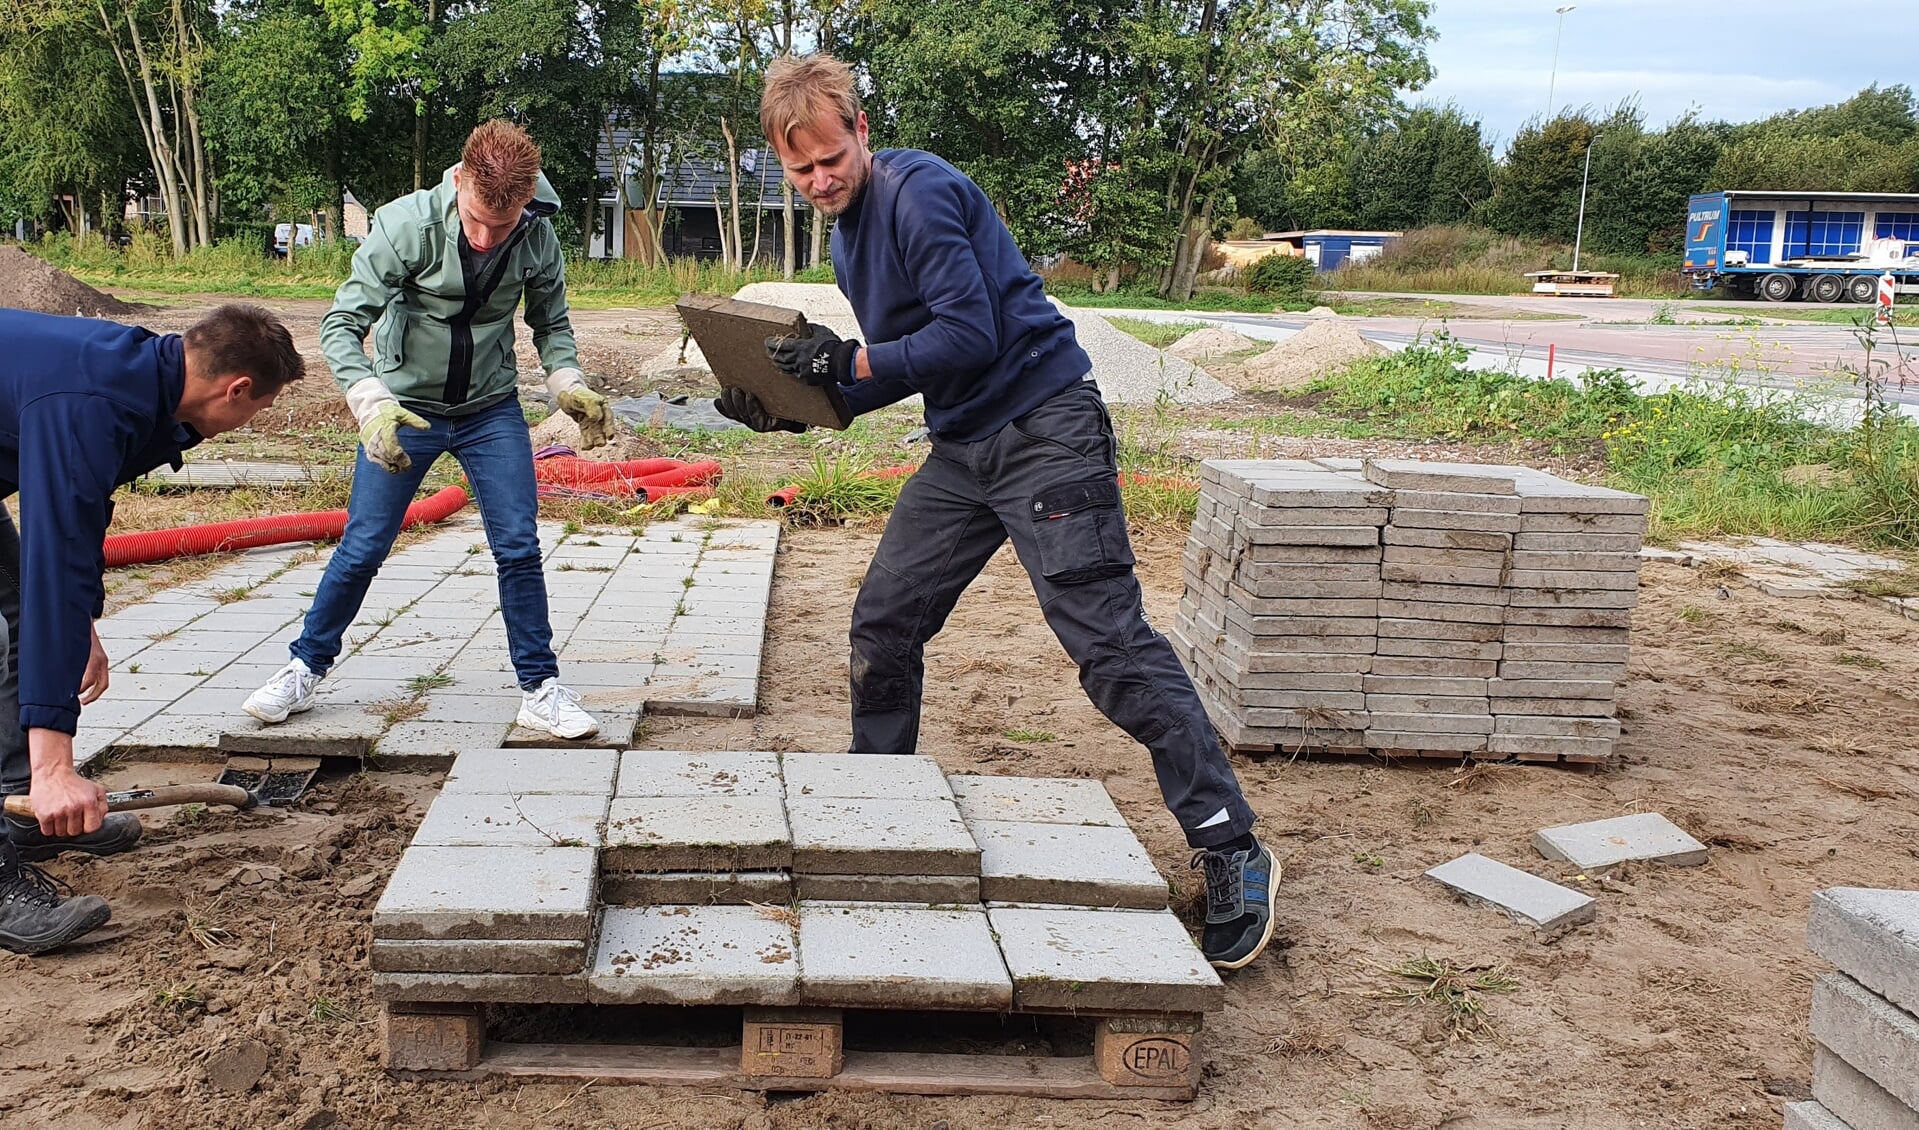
(494, 449)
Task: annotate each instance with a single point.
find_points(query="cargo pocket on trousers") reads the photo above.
(1081, 532)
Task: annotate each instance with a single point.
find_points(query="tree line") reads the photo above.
(1125, 133)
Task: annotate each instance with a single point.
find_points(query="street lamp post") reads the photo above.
(1579, 236)
(1552, 84)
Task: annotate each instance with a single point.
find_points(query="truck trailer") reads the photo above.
(1815, 246)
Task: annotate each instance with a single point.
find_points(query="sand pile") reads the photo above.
(1321, 348)
(31, 283)
(559, 429)
(1213, 341)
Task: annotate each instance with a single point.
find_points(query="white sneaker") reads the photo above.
(556, 709)
(289, 691)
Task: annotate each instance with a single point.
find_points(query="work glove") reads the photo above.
(741, 405)
(821, 358)
(381, 417)
(589, 409)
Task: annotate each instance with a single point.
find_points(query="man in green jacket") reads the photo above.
(437, 283)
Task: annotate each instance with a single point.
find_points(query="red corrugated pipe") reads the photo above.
(248, 533)
(623, 478)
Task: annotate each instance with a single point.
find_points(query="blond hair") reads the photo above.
(803, 89)
(502, 164)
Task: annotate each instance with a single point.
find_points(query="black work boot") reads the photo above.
(117, 833)
(1240, 883)
(38, 912)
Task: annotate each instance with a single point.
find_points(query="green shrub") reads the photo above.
(1281, 276)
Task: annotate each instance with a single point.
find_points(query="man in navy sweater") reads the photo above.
(1022, 450)
(86, 406)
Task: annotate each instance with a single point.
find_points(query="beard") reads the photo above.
(841, 200)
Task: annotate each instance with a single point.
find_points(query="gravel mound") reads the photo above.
(1320, 348)
(1128, 370)
(1213, 341)
(28, 282)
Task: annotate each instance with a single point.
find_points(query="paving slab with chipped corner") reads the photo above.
(1872, 936)
(1644, 837)
(429, 629)
(694, 955)
(533, 820)
(1525, 897)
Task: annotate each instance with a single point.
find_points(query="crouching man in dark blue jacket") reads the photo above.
(86, 406)
(1022, 449)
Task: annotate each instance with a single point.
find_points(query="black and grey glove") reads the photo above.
(820, 358)
(741, 405)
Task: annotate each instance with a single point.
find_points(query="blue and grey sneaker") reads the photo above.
(1239, 904)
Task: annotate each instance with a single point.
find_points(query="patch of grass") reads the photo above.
(1126, 298)
(180, 996)
(229, 596)
(205, 929)
(421, 684)
(1031, 736)
(1860, 659)
(1693, 614)
(326, 1010)
(1459, 992)
(1901, 315)
(1742, 649)
(1369, 859)
(1462, 259)
(841, 486)
(1159, 335)
(1885, 582)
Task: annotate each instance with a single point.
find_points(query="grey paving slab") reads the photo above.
(930, 890)
(880, 837)
(1813, 1116)
(697, 833)
(1879, 1039)
(1526, 898)
(168, 731)
(1641, 837)
(1468, 520)
(527, 772)
(506, 893)
(1070, 958)
(694, 955)
(617, 727)
(1852, 1098)
(508, 820)
(481, 988)
(864, 776)
(1872, 935)
(450, 706)
(865, 954)
(328, 730)
(118, 715)
(477, 956)
(434, 743)
(1039, 800)
(665, 773)
(1389, 740)
(696, 888)
(703, 696)
(1067, 864)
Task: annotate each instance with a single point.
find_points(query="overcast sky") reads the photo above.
(1731, 59)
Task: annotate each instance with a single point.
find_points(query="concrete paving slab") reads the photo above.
(1879, 1039)
(616, 732)
(1526, 898)
(531, 772)
(1072, 959)
(694, 955)
(1066, 864)
(1872, 936)
(863, 954)
(328, 730)
(1852, 1098)
(533, 820)
(477, 956)
(696, 888)
(665, 773)
(925, 890)
(1642, 837)
(1451, 478)
(864, 776)
(1036, 800)
(880, 837)
(703, 696)
(506, 893)
(697, 833)
(445, 706)
(167, 731)
(434, 742)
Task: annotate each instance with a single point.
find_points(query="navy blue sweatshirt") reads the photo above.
(85, 406)
(948, 304)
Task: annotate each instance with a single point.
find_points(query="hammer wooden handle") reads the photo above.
(158, 797)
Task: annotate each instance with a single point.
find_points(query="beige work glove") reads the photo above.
(589, 409)
(380, 417)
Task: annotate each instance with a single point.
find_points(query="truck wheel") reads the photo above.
(1777, 287)
(1862, 288)
(1826, 288)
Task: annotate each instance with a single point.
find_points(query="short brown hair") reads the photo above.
(802, 89)
(502, 164)
(241, 340)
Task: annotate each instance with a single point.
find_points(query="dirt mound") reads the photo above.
(1213, 341)
(1311, 353)
(31, 283)
(559, 428)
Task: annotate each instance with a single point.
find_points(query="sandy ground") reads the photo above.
(1780, 732)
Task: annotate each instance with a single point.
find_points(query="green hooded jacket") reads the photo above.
(437, 348)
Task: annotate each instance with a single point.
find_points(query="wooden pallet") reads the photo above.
(1135, 1056)
(1448, 757)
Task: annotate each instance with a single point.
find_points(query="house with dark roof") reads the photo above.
(694, 193)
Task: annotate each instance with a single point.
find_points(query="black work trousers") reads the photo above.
(1048, 481)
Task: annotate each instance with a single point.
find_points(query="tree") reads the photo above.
(1538, 185)
(1429, 167)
